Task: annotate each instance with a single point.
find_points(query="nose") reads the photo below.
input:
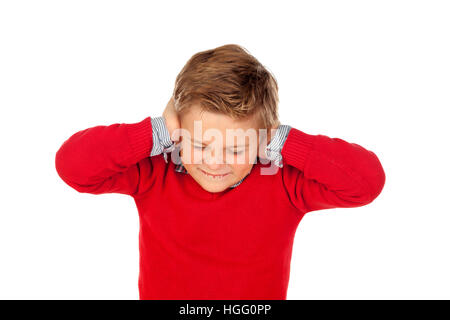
(213, 162)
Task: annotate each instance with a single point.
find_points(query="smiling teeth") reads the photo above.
(214, 177)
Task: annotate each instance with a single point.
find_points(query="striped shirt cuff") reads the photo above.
(161, 136)
(273, 149)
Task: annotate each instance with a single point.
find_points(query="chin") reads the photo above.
(213, 188)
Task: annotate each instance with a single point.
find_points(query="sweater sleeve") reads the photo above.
(323, 172)
(108, 159)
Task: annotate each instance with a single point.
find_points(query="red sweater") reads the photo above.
(235, 244)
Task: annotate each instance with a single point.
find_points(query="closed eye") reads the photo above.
(235, 152)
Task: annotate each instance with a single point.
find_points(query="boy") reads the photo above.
(213, 227)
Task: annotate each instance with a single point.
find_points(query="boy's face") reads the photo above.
(213, 160)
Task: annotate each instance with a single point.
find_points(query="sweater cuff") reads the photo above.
(161, 136)
(273, 149)
(140, 139)
(297, 148)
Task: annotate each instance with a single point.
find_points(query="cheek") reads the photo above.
(249, 158)
(190, 155)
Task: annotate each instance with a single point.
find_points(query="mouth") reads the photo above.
(214, 176)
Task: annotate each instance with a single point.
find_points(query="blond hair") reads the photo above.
(228, 80)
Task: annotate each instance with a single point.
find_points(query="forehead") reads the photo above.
(215, 120)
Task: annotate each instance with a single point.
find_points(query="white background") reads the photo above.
(376, 73)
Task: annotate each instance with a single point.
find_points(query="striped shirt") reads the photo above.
(163, 144)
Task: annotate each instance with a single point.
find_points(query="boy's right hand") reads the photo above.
(172, 120)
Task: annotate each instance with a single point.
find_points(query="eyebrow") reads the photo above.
(205, 144)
